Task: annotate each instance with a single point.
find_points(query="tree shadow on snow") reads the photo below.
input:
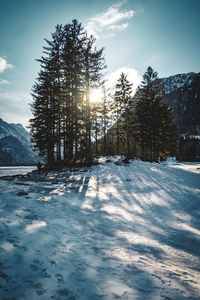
(115, 237)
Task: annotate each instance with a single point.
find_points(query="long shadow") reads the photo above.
(82, 255)
(172, 236)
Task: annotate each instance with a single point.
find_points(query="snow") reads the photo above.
(195, 137)
(191, 167)
(175, 82)
(113, 231)
(186, 135)
(15, 130)
(22, 170)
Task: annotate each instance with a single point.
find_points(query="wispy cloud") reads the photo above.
(4, 65)
(3, 82)
(109, 22)
(132, 75)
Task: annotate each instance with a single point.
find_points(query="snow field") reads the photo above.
(114, 231)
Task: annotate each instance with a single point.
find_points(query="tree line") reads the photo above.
(67, 126)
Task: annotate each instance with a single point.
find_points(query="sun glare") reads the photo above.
(96, 95)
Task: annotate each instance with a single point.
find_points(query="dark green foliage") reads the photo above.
(61, 126)
(96, 124)
(104, 111)
(122, 102)
(143, 126)
(188, 149)
(67, 128)
(155, 127)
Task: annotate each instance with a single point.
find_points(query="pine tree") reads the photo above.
(156, 132)
(75, 38)
(93, 65)
(122, 102)
(61, 126)
(96, 123)
(105, 108)
(43, 125)
(46, 108)
(53, 52)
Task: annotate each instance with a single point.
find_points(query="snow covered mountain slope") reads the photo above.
(172, 83)
(183, 94)
(109, 232)
(15, 148)
(16, 130)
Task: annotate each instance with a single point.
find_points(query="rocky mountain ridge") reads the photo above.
(183, 95)
(15, 146)
(174, 82)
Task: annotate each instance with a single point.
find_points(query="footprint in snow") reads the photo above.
(38, 269)
(30, 216)
(59, 278)
(63, 294)
(52, 262)
(39, 289)
(22, 193)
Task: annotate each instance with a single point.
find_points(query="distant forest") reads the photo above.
(68, 127)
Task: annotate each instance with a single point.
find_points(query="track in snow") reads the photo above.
(114, 231)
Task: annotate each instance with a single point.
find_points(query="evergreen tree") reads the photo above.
(73, 60)
(53, 52)
(96, 123)
(43, 125)
(61, 126)
(189, 148)
(93, 65)
(122, 102)
(105, 109)
(156, 132)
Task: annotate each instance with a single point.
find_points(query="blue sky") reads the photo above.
(135, 33)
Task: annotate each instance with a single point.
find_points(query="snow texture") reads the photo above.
(175, 82)
(15, 145)
(113, 231)
(15, 130)
(22, 170)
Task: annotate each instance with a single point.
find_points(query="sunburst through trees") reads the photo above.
(73, 117)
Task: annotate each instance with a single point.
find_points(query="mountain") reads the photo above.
(15, 147)
(173, 83)
(183, 94)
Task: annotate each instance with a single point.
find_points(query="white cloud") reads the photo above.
(4, 65)
(14, 107)
(119, 27)
(132, 75)
(107, 22)
(3, 82)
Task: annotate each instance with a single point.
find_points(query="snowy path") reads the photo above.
(113, 232)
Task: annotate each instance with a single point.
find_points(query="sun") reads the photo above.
(96, 95)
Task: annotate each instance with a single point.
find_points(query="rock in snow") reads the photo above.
(117, 231)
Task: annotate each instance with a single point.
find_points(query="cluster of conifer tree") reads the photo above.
(144, 126)
(67, 126)
(61, 126)
(188, 148)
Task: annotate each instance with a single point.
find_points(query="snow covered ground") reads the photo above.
(113, 231)
(22, 170)
(191, 167)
